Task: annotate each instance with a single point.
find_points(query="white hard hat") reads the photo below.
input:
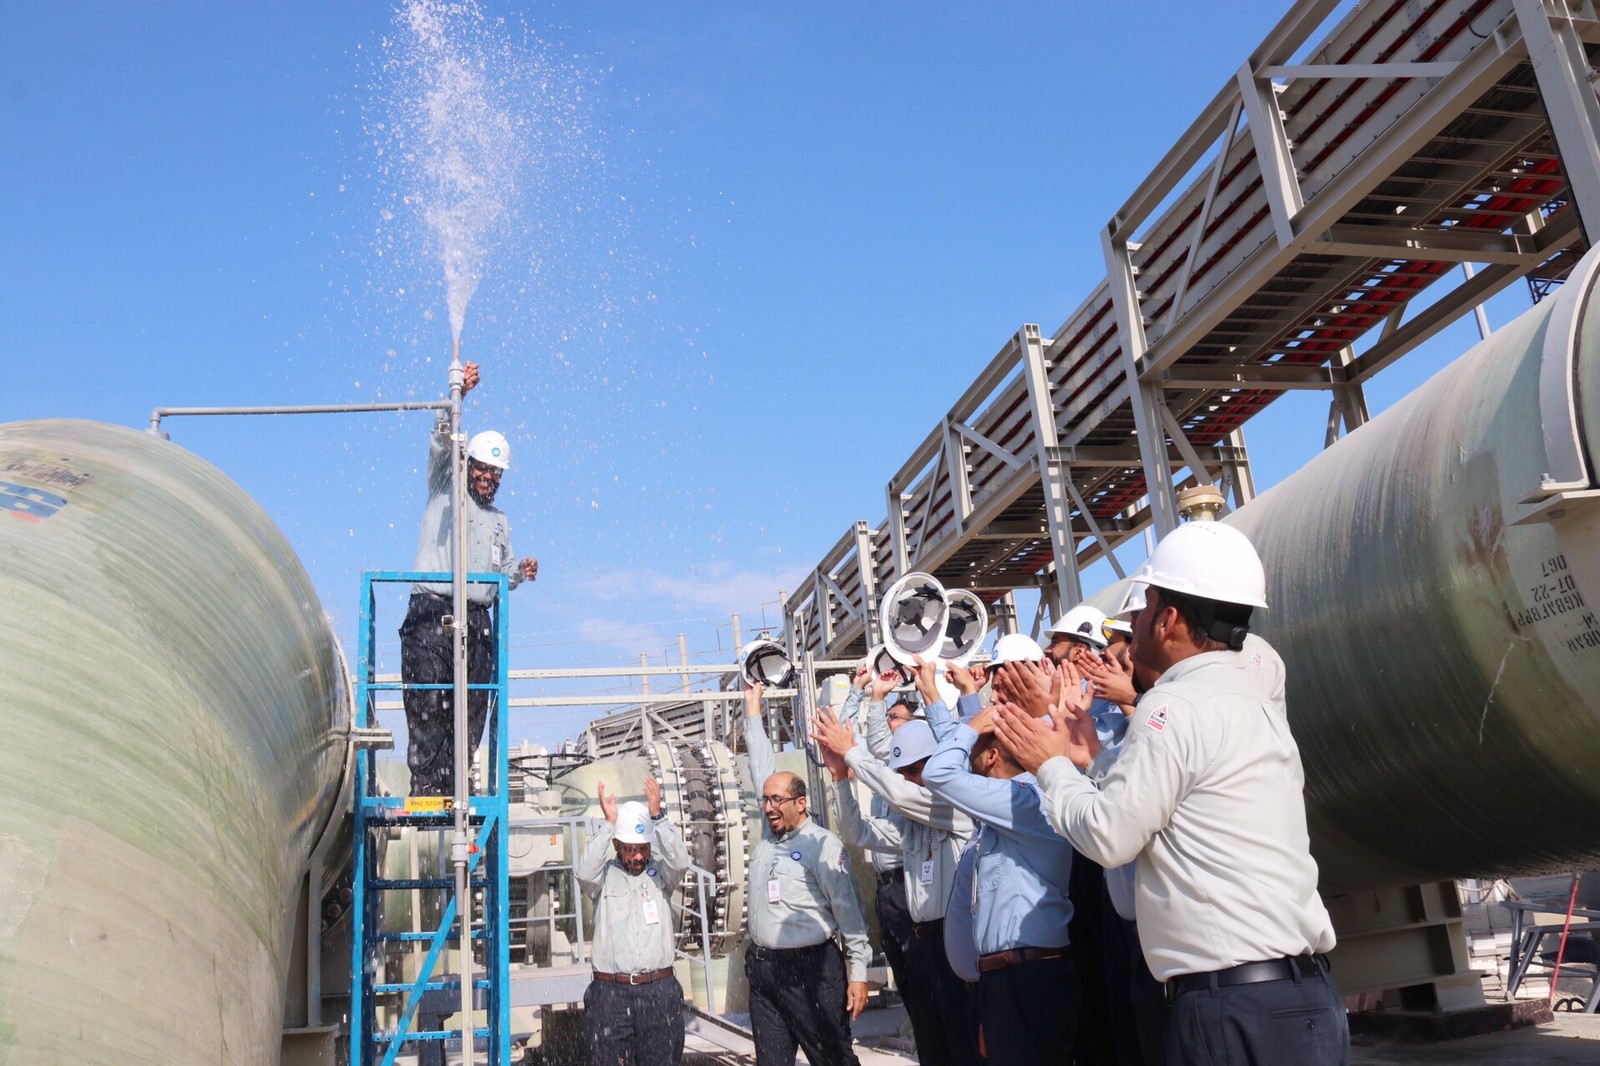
(1017, 648)
(634, 823)
(913, 613)
(967, 626)
(881, 661)
(1208, 560)
(764, 661)
(1117, 625)
(913, 742)
(1083, 623)
(490, 449)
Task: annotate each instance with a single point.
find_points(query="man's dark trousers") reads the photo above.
(950, 1028)
(1299, 1020)
(633, 1025)
(426, 658)
(1029, 1012)
(797, 999)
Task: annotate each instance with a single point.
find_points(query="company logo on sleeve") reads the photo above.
(1157, 719)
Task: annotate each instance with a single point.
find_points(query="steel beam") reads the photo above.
(1561, 67)
(1146, 399)
(1053, 475)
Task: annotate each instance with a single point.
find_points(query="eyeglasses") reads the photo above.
(777, 801)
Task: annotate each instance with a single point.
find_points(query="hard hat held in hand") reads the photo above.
(1209, 560)
(634, 823)
(764, 662)
(968, 624)
(880, 661)
(490, 449)
(914, 613)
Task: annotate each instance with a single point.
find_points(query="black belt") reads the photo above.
(926, 929)
(1250, 973)
(643, 977)
(769, 954)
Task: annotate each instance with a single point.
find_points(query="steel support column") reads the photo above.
(1054, 476)
(1144, 398)
(1561, 67)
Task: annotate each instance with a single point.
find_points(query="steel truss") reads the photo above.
(1297, 218)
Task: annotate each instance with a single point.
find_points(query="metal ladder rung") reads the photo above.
(427, 986)
(407, 883)
(427, 1034)
(450, 938)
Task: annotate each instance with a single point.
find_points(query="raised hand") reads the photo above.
(608, 803)
(652, 796)
(966, 679)
(1030, 688)
(928, 681)
(884, 684)
(752, 699)
(831, 735)
(862, 677)
(1111, 682)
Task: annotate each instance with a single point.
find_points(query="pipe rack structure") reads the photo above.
(1324, 187)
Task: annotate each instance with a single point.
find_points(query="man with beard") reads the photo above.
(1207, 796)
(633, 1009)
(426, 656)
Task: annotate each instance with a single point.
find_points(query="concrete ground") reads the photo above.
(1571, 1038)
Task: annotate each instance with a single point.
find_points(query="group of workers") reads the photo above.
(1097, 853)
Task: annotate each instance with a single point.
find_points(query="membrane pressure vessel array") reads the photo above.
(175, 716)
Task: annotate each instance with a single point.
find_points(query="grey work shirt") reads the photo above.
(801, 889)
(926, 835)
(1208, 796)
(878, 743)
(488, 530)
(633, 929)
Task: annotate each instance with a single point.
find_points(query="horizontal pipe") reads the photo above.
(159, 413)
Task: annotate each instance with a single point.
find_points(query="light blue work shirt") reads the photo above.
(1023, 865)
(959, 946)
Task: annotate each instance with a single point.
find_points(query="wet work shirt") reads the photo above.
(488, 530)
(925, 834)
(1207, 797)
(801, 888)
(633, 930)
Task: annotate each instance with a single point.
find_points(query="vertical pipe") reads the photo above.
(683, 659)
(646, 733)
(458, 843)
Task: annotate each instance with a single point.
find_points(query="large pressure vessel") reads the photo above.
(1431, 580)
(175, 715)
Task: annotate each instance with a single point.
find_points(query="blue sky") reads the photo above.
(757, 252)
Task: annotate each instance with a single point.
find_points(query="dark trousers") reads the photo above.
(945, 1036)
(797, 1000)
(1298, 1020)
(1146, 997)
(633, 1025)
(426, 658)
(1030, 1013)
(1105, 1017)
